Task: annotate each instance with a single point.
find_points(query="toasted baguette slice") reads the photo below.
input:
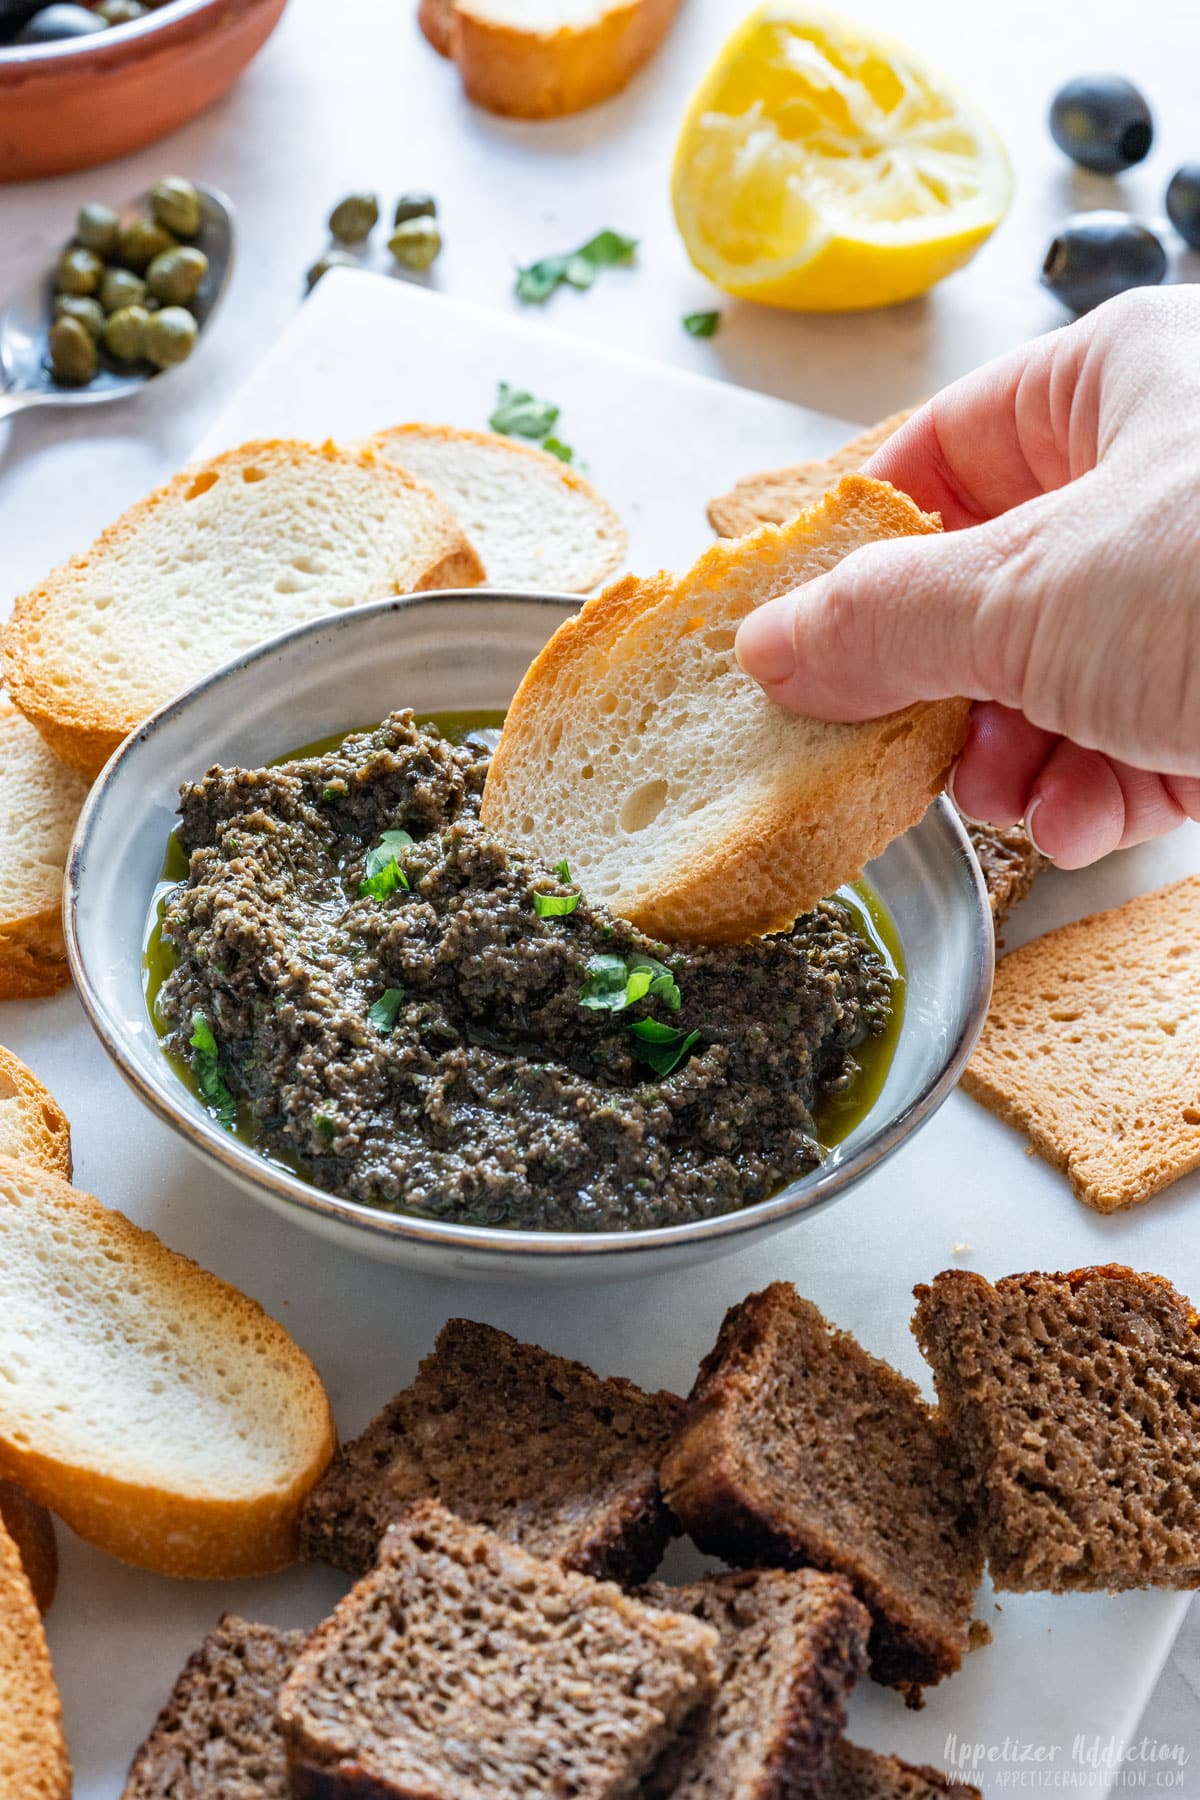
(773, 496)
(33, 1126)
(33, 1752)
(31, 1529)
(157, 1410)
(534, 522)
(227, 553)
(541, 60)
(855, 1774)
(680, 795)
(41, 802)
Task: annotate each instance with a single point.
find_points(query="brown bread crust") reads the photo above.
(1075, 1401)
(856, 1774)
(787, 1426)
(532, 1445)
(31, 1529)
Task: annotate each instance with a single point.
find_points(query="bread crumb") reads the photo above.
(979, 1634)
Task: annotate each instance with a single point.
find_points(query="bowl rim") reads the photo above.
(240, 1163)
(177, 12)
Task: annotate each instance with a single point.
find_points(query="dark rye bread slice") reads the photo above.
(218, 1736)
(855, 1774)
(462, 1668)
(1075, 1402)
(799, 1448)
(529, 1444)
(791, 1646)
(1009, 862)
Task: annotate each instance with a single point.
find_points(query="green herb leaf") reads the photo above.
(554, 906)
(382, 1013)
(603, 989)
(207, 1066)
(702, 324)
(662, 1046)
(577, 268)
(385, 850)
(554, 446)
(324, 1124)
(382, 874)
(563, 871)
(518, 413)
(614, 982)
(660, 984)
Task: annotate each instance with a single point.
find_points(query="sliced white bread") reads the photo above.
(41, 802)
(33, 1126)
(679, 794)
(227, 553)
(33, 1752)
(156, 1409)
(534, 522)
(31, 1529)
(772, 496)
(539, 59)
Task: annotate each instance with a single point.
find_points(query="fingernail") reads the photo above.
(1030, 816)
(966, 817)
(763, 646)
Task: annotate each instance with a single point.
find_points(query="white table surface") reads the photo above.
(347, 95)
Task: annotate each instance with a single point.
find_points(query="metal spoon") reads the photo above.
(25, 378)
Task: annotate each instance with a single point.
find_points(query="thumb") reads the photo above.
(903, 620)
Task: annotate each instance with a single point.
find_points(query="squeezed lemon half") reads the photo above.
(823, 167)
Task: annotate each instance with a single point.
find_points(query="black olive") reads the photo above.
(1183, 203)
(1097, 255)
(1101, 122)
(14, 14)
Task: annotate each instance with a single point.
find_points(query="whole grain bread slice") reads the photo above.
(534, 522)
(1074, 1400)
(462, 1668)
(157, 1410)
(798, 1448)
(33, 1126)
(1092, 1047)
(33, 1752)
(791, 1647)
(773, 496)
(555, 60)
(227, 553)
(41, 803)
(681, 796)
(856, 1774)
(535, 1447)
(31, 1529)
(217, 1736)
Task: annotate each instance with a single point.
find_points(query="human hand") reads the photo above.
(1063, 597)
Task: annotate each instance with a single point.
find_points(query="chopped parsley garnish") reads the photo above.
(662, 1046)
(614, 982)
(521, 414)
(382, 874)
(702, 324)
(382, 1013)
(554, 446)
(324, 1124)
(556, 906)
(574, 268)
(206, 1063)
(563, 871)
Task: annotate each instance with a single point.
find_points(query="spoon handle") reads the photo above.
(15, 400)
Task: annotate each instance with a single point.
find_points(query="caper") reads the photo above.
(121, 287)
(96, 228)
(89, 312)
(170, 337)
(125, 333)
(416, 244)
(354, 218)
(120, 12)
(332, 259)
(176, 274)
(175, 204)
(140, 241)
(79, 271)
(414, 206)
(72, 352)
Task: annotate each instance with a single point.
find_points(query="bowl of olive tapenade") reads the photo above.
(313, 960)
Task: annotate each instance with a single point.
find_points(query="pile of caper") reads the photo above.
(49, 21)
(415, 240)
(126, 286)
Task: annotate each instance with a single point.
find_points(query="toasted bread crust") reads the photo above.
(804, 832)
(83, 730)
(41, 1132)
(161, 1525)
(544, 75)
(772, 496)
(31, 1529)
(33, 1753)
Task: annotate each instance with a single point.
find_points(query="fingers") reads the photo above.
(999, 763)
(1078, 806)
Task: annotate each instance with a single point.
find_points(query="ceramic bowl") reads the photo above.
(82, 101)
(468, 651)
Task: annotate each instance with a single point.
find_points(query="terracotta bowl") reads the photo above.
(81, 101)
